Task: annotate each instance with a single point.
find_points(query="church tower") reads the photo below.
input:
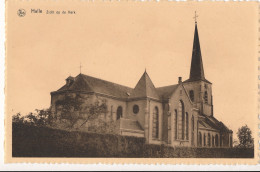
(197, 86)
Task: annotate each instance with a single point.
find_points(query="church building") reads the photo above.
(175, 115)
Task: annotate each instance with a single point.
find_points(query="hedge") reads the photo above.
(32, 141)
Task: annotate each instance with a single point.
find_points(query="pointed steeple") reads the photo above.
(196, 69)
(144, 88)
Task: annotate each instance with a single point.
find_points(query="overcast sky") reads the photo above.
(117, 41)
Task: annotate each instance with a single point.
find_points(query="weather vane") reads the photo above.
(195, 17)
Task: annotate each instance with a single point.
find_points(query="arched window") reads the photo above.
(213, 141)
(209, 139)
(155, 122)
(119, 112)
(111, 113)
(192, 123)
(191, 93)
(204, 139)
(216, 140)
(176, 124)
(182, 126)
(220, 140)
(206, 97)
(231, 142)
(200, 139)
(187, 126)
(192, 128)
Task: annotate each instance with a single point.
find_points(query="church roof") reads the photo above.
(167, 91)
(196, 68)
(144, 88)
(130, 124)
(210, 122)
(203, 124)
(91, 84)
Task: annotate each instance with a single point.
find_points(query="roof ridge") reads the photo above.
(167, 86)
(105, 80)
(152, 85)
(146, 85)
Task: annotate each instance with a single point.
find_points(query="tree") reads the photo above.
(72, 112)
(244, 135)
(38, 118)
(18, 118)
(76, 112)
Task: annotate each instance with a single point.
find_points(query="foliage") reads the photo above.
(244, 135)
(18, 118)
(73, 114)
(74, 110)
(38, 118)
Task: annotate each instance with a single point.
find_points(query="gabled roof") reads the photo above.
(144, 88)
(167, 91)
(91, 84)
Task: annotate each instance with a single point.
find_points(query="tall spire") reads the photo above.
(196, 69)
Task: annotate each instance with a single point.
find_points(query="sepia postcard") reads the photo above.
(131, 82)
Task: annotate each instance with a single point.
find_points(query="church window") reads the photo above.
(169, 122)
(206, 86)
(192, 127)
(209, 139)
(213, 141)
(135, 109)
(119, 112)
(204, 139)
(111, 112)
(206, 97)
(200, 139)
(230, 141)
(155, 123)
(176, 124)
(220, 142)
(182, 126)
(216, 140)
(187, 126)
(182, 115)
(191, 95)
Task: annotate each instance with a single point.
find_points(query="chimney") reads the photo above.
(180, 80)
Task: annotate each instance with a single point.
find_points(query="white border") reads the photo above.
(65, 167)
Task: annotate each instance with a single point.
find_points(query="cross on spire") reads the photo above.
(80, 68)
(195, 17)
